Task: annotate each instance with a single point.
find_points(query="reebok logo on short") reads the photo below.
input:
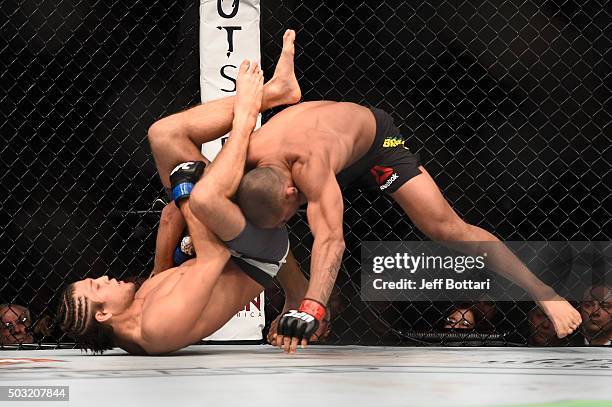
(384, 176)
(389, 181)
(381, 174)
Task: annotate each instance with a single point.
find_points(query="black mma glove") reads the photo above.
(183, 177)
(303, 322)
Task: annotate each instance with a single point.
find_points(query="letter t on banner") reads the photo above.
(229, 33)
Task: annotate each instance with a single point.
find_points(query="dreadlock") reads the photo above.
(76, 317)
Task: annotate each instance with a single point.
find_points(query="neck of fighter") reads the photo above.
(127, 324)
(279, 165)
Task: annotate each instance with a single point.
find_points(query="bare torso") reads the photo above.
(233, 290)
(340, 132)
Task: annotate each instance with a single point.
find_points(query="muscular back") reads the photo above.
(338, 132)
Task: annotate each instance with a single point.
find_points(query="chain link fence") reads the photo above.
(507, 102)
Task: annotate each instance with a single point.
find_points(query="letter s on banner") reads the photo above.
(229, 33)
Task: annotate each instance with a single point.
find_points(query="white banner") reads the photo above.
(245, 325)
(229, 33)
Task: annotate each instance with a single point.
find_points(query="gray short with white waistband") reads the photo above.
(260, 252)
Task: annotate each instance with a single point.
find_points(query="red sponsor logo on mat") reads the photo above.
(15, 361)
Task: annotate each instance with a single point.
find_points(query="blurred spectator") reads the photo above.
(462, 317)
(596, 311)
(16, 324)
(478, 316)
(541, 330)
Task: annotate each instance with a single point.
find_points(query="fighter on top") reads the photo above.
(305, 154)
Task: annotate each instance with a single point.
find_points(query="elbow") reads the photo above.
(224, 256)
(169, 214)
(334, 242)
(340, 245)
(203, 200)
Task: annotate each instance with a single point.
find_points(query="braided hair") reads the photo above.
(75, 316)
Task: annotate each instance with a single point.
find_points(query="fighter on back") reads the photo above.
(181, 305)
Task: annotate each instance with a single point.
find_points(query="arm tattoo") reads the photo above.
(331, 276)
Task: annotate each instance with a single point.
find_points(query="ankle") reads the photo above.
(270, 97)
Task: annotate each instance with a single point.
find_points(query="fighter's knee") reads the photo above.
(154, 134)
(163, 131)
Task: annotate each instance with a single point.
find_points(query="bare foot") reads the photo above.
(564, 317)
(249, 92)
(283, 88)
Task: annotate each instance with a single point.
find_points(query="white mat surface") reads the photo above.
(320, 376)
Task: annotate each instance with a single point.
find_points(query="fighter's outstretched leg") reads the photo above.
(178, 137)
(423, 202)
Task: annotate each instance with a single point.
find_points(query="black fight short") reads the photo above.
(387, 165)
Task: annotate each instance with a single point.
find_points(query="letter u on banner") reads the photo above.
(229, 33)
